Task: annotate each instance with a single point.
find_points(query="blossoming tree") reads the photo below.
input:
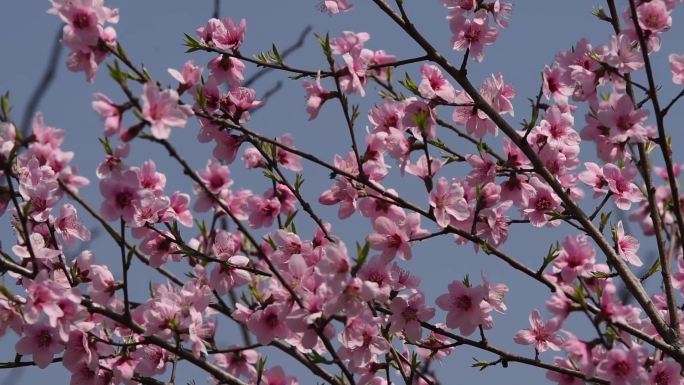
(227, 257)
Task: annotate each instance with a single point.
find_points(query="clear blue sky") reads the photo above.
(152, 33)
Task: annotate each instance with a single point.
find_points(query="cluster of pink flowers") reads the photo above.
(311, 297)
(359, 65)
(470, 20)
(85, 33)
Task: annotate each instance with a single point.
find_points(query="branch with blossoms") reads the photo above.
(351, 316)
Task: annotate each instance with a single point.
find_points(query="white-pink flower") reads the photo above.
(162, 111)
(540, 334)
(677, 68)
(627, 245)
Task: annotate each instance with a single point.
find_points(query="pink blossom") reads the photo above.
(420, 119)
(119, 192)
(498, 93)
(407, 312)
(390, 238)
(362, 341)
(188, 76)
(623, 55)
(492, 225)
(666, 372)
(162, 111)
(473, 34)
(421, 170)
(654, 16)
(576, 258)
(42, 342)
(43, 253)
(434, 85)
(475, 120)
(556, 130)
(316, 95)
(276, 376)
(466, 307)
(625, 192)
(149, 210)
(227, 146)
(541, 204)
(678, 276)
(594, 178)
(495, 294)
(388, 115)
(623, 367)
(228, 274)
(554, 86)
(449, 202)
(540, 334)
(109, 112)
(286, 158)
(356, 63)
(677, 68)
(223, 34)
(9, 314)
(240, 363)
(627, 245)
(180, 204)
(269, 323)
(68, 225)
(151, 360)
(613, 309)
(335, 6)
(227, 69)
(103, 286)
(263, 211)
(344, 192)
(561, 378)
(159, 248)
(42, 299)
(624, 121)
(349, 42)
(380, 58)
(84, 20)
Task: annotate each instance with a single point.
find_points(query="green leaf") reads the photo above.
(355, 114)
(270, 175)
(5, 105)
(115, 72)
(409, 84)
(655, 267)
(6, 292)
(260, 366)
(200, 98)
(192, 44)
(120, 51)
(202, 227)
(604, 220)
(325, 44)
(552, 254)
(600, 274)
(276, 54)
(299, 181)
(290, 218)
(361, 256)
(600, 14)
(486, 248)
(107, 146)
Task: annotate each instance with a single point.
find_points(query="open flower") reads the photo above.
(540, 334)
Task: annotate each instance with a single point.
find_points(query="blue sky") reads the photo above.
(152, 33)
